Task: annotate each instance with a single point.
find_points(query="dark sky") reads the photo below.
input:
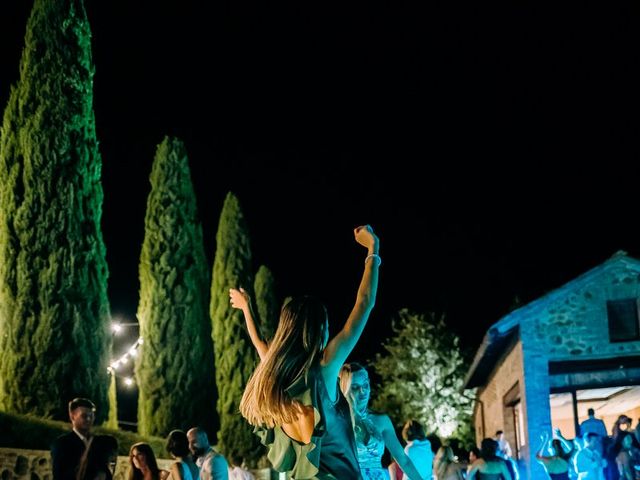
(494, 148)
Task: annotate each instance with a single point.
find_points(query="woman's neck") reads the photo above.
(363, 412)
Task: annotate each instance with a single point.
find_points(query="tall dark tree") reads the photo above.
(266, 302)
(235, 357)
(173, 369)
(54, 312)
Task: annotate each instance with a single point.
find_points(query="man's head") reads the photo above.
(499, 435)
(82, 413)
(236, 460)
(591, 412)
(591, 440)
(474, 454)
(198, 441)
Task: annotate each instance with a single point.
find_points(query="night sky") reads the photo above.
(493, 148)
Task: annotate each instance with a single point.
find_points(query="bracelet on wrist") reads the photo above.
(376, 258)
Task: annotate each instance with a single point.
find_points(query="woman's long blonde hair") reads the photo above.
(296, 346)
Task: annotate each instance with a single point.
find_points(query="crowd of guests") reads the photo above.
(311, 410)
(593, 455)
(81, 455)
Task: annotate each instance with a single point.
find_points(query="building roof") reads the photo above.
(503, 331)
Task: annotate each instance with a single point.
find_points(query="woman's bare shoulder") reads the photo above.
(381, 420)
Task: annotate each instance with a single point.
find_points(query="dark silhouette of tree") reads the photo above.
(174, 368)
(54, 311)
(235, 357)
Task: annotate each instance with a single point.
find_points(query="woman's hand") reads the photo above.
(364, 236)
(239, 298)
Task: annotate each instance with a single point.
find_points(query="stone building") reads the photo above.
(543, 365)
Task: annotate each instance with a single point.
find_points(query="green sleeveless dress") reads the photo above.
(331, 453)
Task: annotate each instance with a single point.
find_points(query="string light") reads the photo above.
(116, 327)
(128, 381)
(132, 351)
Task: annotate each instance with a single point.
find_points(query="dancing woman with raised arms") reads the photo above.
(293, 397)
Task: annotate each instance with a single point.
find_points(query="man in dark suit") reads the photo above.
(67, 449)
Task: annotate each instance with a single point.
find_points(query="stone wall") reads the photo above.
(502, 380)
(16, 464)
(577, 327)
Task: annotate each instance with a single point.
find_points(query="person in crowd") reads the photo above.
(612, 446)
(293, 397)
(373, 431)
(99, 459)
(505, 452)
(504, 448)
(627, 455)
(474, 454)
(418, 447)
(395, 472)
(597, 426)
(213, 466)
(593, 425)
(237, 471)
(588, 462)
(636, 431)
(490, 466)
(622, 424)
(143, 464)
(67, 449)
(445, 465)
(557, 464)
(184, 468)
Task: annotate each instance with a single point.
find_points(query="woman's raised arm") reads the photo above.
(340, 346)
(240, 299)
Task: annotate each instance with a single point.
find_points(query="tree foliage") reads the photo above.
(235, 356)
(422, 375)
(266, 302)
(112, 419)
(174, 367)
(54, 312)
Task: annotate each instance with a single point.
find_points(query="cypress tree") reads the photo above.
(266, 302)
(112, 419)
(235, 357)
(173, 368)
(54, 312)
